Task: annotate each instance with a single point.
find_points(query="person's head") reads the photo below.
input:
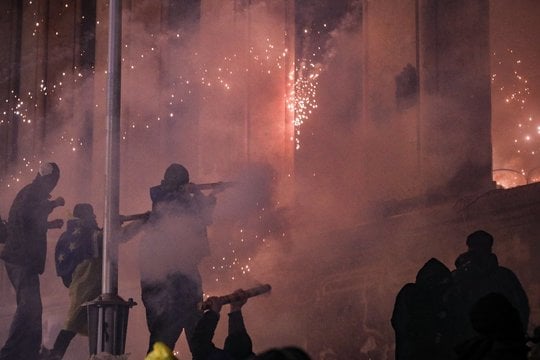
(285, 353)
(175, 176)
(480, 241)
(85, 212)
(494, 316)
(48, 176)
(160, 351)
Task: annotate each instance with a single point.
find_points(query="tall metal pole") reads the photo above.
(108, 314)
(112, 172)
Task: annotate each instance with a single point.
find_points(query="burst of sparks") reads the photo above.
(270, 61)
(515, 92)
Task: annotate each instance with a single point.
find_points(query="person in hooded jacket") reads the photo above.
(238, 345)
(478, 274)
(426, 315)
(24, 255)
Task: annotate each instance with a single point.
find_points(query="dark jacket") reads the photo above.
(478, 274)
(237, 345)
(26, 243)
(425, 317)
(194, 208)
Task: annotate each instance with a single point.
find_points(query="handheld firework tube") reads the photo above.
(229, 298)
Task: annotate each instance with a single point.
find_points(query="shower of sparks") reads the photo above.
(264, 58)
(302, 100)
(30, 167)
(250, 235)
(513, 89)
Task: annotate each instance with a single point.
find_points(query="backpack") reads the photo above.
(71, 249)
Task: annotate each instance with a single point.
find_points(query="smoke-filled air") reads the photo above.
(293, 109)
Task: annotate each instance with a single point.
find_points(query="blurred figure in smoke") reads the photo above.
(170, 252)
(426, 315)
(78, 259)
(500, 334)
(478, 274)
(238, 345)
(24, 255)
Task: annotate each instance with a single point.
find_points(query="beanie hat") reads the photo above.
(480, 240)
(83, 211)
(49, 169)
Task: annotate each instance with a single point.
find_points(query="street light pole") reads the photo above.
(108, 314)
(112, 172)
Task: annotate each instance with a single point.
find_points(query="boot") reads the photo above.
(61, 344)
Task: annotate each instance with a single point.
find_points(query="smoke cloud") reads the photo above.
(214, 95)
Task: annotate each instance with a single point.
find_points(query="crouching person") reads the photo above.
(238, 345)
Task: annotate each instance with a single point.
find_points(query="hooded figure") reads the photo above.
(425, 315)
(24, 255)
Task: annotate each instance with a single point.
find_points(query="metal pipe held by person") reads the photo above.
(215, 186)
(246, 294)
(142, 216)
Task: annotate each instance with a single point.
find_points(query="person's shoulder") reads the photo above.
(504, 271)
(407, 290)
(155, 193)
(27, 191)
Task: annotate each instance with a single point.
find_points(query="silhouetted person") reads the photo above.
(238, 345)
(499, 332)
(78, 260)
(426, 315)
(170, 252)
(478, 274)
(24, 255)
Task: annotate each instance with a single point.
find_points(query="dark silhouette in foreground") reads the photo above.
(478, 274)
(426, 316)
(500, 334)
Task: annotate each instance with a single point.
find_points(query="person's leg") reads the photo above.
(24, 339)
(161, 314)
(188, 298)
(61, 343)
(63, 339)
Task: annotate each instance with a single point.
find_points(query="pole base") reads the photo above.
(107, 324)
